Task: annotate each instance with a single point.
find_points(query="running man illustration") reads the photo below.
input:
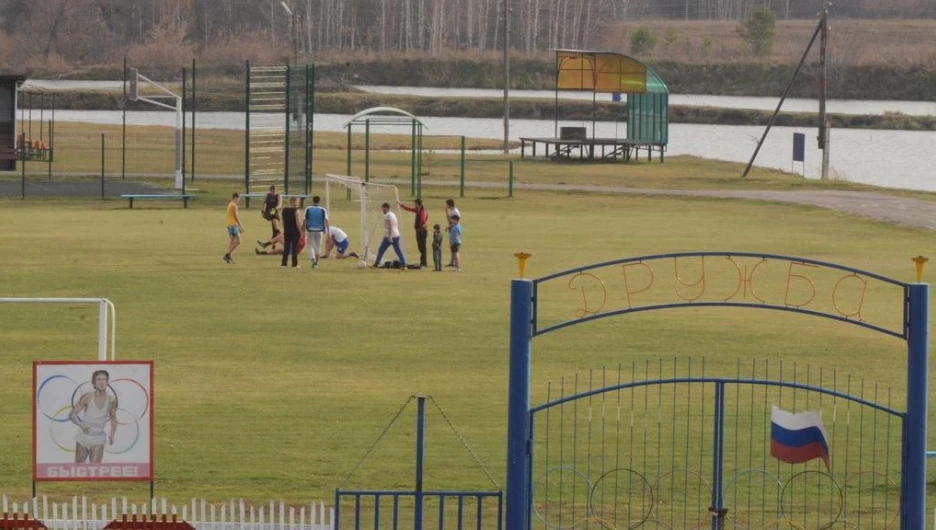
(91, 414)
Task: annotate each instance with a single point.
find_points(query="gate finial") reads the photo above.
(919, 261)
(522, 257)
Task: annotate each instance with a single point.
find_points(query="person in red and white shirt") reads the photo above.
(421, 225)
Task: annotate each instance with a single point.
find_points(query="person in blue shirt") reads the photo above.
(455, 239)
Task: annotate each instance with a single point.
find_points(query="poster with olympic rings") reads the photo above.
(92, 420)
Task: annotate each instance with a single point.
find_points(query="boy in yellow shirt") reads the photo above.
(234, 227)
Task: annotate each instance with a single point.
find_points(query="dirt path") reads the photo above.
(904, 211)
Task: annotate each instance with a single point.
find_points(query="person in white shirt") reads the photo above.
(391, 237)
(451, 213)
(92, 413)
(338, 240)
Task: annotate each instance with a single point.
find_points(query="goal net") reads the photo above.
(354, 206)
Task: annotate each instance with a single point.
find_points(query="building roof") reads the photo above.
(605, 72)
(12, 78)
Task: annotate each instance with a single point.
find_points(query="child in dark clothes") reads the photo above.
(437, 247)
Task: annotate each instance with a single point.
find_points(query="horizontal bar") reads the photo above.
(537, 332)
(53, 300)
(722, 380)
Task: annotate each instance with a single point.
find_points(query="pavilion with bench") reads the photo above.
(614, 74)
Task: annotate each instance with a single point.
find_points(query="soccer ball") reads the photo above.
(362, 264)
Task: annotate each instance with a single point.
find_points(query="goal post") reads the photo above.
(354, 205)
(105, 309)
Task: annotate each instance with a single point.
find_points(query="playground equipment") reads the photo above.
(278, 128)
(675, 475)
(35, 138)
(390, 116)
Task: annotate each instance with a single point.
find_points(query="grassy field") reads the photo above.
(272, 383)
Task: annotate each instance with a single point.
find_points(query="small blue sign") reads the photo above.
(799, 147)
(615, 96)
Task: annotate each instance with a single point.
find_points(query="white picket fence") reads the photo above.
(80, 514)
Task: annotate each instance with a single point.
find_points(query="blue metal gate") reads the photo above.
(683, 450)
(695, 451)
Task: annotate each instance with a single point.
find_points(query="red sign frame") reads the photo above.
(117, 472)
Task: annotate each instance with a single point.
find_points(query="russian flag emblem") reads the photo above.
(798, 438)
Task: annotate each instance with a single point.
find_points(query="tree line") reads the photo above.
(95, 31)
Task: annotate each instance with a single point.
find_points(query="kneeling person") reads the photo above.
(338, 240)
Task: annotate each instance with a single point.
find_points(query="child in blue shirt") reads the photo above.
(455, 237)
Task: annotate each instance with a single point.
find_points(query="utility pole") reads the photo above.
(294, 36)
(506, 77)
(823, 122)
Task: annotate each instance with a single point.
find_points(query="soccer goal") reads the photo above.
(354, 206)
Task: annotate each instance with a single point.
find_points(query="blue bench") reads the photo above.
(301, 197)
(159, 196)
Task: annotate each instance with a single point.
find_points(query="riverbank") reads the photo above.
(893, 81)
(353, 102)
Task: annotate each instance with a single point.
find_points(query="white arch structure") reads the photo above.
(105, 309)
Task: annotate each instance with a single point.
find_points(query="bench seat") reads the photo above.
(302, 197)
(159, 196)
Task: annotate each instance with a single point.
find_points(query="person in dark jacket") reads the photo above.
(292, 233)
(421, 225)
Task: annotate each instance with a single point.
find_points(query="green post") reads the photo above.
(412, 190)
(419, 169)
(123, 134)
(49, 150)
(247, 136)
(367, 150)
(510, 178)
(193, 120)
(286, 141)
(102, 166)
(184, 75)
(309, 112)
(22, 169)
(348, 168)
(461, 175)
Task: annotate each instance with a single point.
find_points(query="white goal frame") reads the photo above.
(368, 251)
(137, 79)
(105, 309)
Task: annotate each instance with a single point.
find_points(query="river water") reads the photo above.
(843, 106)
(838, 106)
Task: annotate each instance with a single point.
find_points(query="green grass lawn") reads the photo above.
(273, 383)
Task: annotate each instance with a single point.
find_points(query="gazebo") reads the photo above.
(602, 72)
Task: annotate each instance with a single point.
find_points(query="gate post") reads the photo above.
(917, 382)
(518, 408)
(420, 446)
